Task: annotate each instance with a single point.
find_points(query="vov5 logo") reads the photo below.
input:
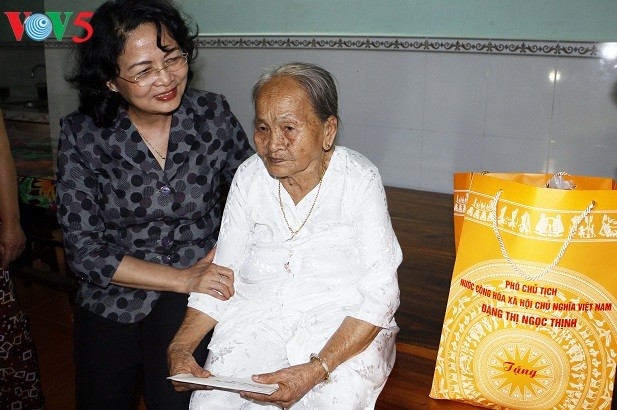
(39, 26)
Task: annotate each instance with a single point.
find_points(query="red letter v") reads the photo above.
(16, 24)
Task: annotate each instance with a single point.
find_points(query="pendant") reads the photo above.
(286, 265)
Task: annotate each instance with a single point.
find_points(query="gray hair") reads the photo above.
(318, 83)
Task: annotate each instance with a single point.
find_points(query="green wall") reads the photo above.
(566, 20)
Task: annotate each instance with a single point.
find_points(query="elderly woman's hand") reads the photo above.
(294, 382)
(181, 361)
(207, 277)
(180, 358)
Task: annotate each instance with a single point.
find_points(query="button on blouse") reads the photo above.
(165, 190)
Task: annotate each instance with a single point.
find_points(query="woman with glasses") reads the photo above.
(141, 168)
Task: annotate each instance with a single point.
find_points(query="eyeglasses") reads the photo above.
(148, 77)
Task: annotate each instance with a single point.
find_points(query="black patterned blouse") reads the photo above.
(114, 199)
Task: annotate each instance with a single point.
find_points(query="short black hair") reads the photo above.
(96, 60)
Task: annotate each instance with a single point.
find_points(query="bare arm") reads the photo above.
(180, 351)
(203, 277)
(352, 337)
(12, 238)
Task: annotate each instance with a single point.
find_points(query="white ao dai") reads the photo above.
(293, 294)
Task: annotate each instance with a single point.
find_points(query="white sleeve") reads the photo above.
(230, 248)
(380, 255)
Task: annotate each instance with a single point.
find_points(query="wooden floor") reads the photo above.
(423, 223)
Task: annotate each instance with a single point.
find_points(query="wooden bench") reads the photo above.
(423, 223)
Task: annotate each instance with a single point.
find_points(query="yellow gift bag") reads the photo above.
(531, 320)
(462, 181)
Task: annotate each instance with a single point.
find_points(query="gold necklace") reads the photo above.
(295, 232)
(151, 146)
(148, 142)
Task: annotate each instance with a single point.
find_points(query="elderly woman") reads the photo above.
(307, 233)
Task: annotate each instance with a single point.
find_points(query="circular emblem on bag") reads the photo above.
(512, 343)
(525, 367)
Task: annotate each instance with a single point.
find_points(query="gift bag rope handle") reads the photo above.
(549, 268)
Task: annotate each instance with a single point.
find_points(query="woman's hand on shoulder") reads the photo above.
(207, 277)
(294, 382)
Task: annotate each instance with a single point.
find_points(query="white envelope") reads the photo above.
(227, 383)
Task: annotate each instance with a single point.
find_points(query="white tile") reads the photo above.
(395, 89)
(443, 154)
(586, 101)
(456, 89)
(520, 97)
(514, 155)
(234, 72)
(396, 152)
(229, 73)
(347, 67)
(353, 137)
(423, 116)
(349, 70)
(583, 159)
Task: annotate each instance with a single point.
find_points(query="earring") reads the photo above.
(327, 146)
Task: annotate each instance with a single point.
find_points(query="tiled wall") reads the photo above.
(423, 109)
